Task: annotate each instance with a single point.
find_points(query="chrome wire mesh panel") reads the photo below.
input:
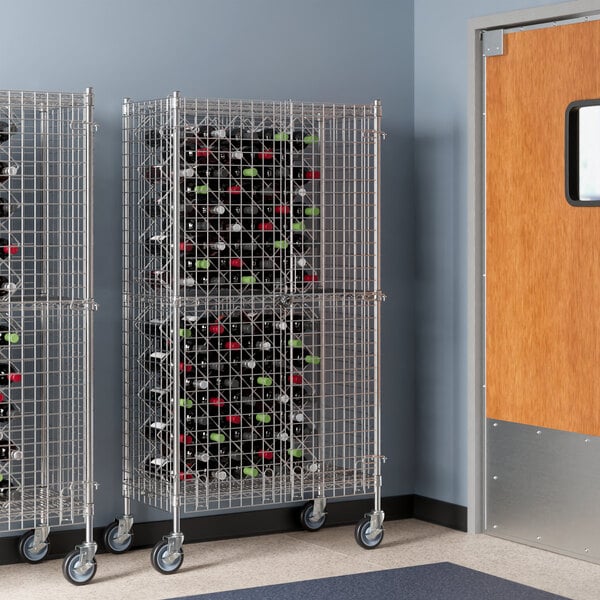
(251, 298)
(45, 299)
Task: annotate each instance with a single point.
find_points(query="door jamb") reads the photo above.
(476, 428)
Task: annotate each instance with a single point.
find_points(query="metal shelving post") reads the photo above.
(46, 305)
(251, 307)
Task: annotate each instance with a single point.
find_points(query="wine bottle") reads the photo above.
(303, 140)
(198, 192)
(210, 211)
(163, 468)
(7, 410)
(302, 323)
(161, 329)
(307, 278)
(8, 451)
(5, 488)
(299, 211)
(240, 324)
(245, 472)
(302, 357)
(189, 410)
(4, 208)
(302, 429)
(197, 150)
(195, 383)
(212, 244)
(225, 383)
(6, 130)
(295, 456)
(7, 335)
(193, 223)
(263, 453)
(161, 245)
(7, 171)
(302, 175)
(163, 361)
(157, 432)
(294, 394)
(161, 173)
(9, 374)
(270, 324)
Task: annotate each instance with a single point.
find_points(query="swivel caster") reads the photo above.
(365, 536)
(76, 571)
(115, 541)
(312, 519)
(31, 550)
(163, 561)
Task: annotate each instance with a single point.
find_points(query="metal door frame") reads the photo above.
(543, 16)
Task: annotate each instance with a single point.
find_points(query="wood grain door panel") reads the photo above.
(542, 254)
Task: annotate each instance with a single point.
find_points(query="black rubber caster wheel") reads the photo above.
(162, 561)
(112, 544)
(362, 531)
(26, 551)
(305, 518)
(71, 569)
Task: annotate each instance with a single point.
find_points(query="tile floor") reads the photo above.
(269, 559)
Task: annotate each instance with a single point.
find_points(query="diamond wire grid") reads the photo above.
(44, 292)
(42, 426)
(276, 404)
(286, 205)
(264, 204)
(43, 235)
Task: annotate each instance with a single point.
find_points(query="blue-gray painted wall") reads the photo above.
(441, 73)
(412, 57)
(335, 51)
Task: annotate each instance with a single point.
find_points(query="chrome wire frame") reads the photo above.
(46, 309)
(188, 267)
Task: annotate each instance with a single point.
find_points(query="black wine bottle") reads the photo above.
(6, 130)
(4, 208)
(5, 488)
(7, 171)
(8, 451)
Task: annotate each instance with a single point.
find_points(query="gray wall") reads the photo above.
(441, 234)
(338, 50)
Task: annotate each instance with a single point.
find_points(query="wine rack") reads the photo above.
(46, 308)
(251, 310)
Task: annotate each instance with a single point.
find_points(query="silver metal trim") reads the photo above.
(493, 42)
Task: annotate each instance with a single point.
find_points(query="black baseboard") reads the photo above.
(259, 522)
(440, 513)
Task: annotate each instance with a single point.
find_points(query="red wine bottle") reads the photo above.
(8, 374)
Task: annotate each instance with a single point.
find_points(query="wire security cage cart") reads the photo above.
(251, 310)
(46, 321)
